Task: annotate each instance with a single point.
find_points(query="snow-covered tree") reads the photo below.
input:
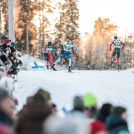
(27, 30)
(67, 25)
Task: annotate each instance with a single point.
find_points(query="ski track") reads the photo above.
(108, 86)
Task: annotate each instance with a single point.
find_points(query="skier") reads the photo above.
(66, 49)
(118, 45)
(47, 54)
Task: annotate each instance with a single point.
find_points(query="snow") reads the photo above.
(108, 86)
(28, 62)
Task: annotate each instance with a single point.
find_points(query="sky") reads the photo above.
(120, 12)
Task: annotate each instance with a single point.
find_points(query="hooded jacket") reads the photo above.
(116, 125)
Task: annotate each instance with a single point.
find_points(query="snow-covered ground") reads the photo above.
(108, 86)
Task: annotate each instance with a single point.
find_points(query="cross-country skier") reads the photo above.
(47, 54)
(118, 45)
(66, 49)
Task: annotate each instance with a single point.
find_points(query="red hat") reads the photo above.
(6, 41)
(97, 126)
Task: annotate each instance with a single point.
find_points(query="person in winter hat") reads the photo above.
(90, 103)
(78, 104)
(104, 112)
(33, 115)
(90, 100)
(117, 121)
(78, 110)
(97, 127)
(6, 44)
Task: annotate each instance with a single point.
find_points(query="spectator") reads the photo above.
(104, 112)
(33, 115)
(78, 110)
(78, 104)
(90, 103)
(117, 121)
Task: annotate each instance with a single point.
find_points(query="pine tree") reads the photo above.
(67, 25)
(25, 31)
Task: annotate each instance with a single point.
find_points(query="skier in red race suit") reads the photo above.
(118, 45)
(47, 54)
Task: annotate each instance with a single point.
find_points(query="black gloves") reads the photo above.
(62, 51)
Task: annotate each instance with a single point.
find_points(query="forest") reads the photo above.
(37, 22)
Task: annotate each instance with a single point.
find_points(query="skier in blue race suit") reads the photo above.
(66, 49)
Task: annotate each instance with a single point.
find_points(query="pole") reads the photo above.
(27, 34)
(27, 37)
(0, 25)
(11, 23)
(40, 30)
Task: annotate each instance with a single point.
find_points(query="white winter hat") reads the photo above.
(7, 83)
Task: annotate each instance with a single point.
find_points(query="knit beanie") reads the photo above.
(89, 100)
(6, 41)
(78, 103)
